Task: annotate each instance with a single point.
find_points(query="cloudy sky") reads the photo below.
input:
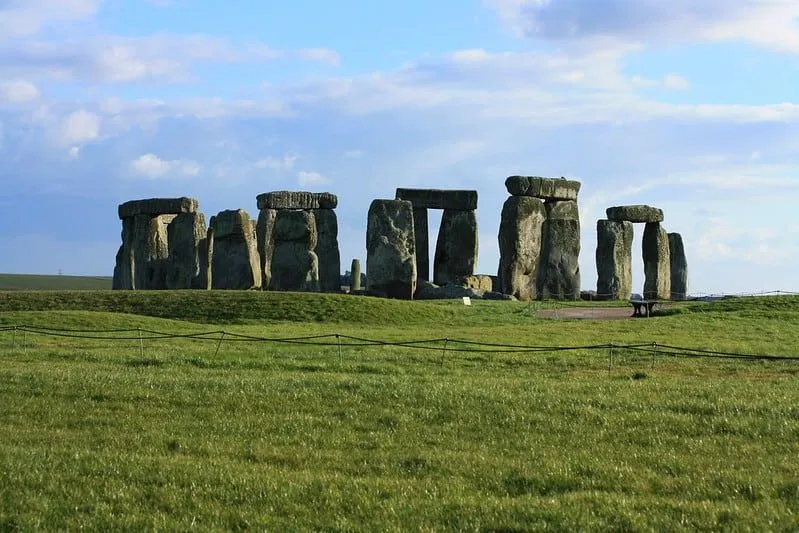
(688, 105)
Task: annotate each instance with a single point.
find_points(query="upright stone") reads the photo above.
(391, 249)
(295, 265)
(657, 262)
(520, 236)
(559, 268)
(327, 250)
(124, 267)
(235, 261)
(420, 228)
(456, 248)
(679, 267)
(355, 276)
(265, 233)
(150, 251)
(185, 233)
(614, 249)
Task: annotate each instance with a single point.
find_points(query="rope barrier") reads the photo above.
(338, 340)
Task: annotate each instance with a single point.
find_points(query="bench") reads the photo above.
(643, 307)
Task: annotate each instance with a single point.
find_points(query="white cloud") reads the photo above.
(153, 167)
(80, 126)
(620, 23)
(305, 179)
(74, 152)
(676, 82)
(324, 55)
(18, 92)
(277, 163)
(27, 17)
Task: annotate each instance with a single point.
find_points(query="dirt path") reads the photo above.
(587, 313)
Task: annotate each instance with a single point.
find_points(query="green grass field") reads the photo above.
(32, 282)
(171, 434)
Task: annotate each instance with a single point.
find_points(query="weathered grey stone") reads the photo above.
(148, 249)
(657, 262)
(459, 200)
(236, 264)
(635, 213)
(391, 249)
(679, 267)
(355, 275)
(543, 188)
(205, 252)
(185, 233)
(447, 292)
(297, 200)
(559, 267)
(295, 265)
(479, 282)
(493, 295)
(327, 250)
(124, 267)
(265, 233)
(157, 206)
(520, 240)
(421, 231)
(457, 247)
(614, 259)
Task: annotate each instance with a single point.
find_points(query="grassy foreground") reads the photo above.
(169, 434)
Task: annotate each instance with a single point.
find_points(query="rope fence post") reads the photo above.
(219, 344)
(610, 357)
(15, 337)
(654, 351)
(141, 344)
(338, 338)
(444, 351)
(25, 340)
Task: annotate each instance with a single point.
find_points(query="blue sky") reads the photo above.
(689, 106)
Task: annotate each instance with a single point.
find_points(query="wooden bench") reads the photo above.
(643, 307)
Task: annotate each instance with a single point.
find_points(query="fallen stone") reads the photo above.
(391, 249)
(157, 206)
(559, 267)
(447, 292)
(295, 264)
(493, 295)
(588, 296)
(657, 263)
(327, 250)
(459, 200)
(457, 247)
(297, 200)
(543, 188)
(635, 213)
(236, 264)
(679, 267)
(614, 259)
(520, 239)
(479, 282)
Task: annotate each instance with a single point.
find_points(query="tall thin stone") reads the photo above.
(657, 262)
(295, 265)
(679, 267)
(614, 250)
(457, 247)
(327, 250)
(355, 275)
(235, 260)
(520, 238)
(184, 234)
(420, 228)
(265, 234)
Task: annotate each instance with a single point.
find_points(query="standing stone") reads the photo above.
(124, 267)
(235, 261)
(327, 250)
(559, 269)
(520, 236)
(457, 247)
(391, 249)
(679, 267)
(184, 235)
(614, 249)
(420, 228)
(150, 251)
(205, 251)
(265, 234)
(657, 262)
(355, 276)
(295, 265)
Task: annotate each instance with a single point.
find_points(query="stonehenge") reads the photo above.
(614, 255)
(539, 239)
(293, 246)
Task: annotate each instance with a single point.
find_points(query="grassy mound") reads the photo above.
(33, 282)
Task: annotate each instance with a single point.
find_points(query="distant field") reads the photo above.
(175, 434)
(32, 282)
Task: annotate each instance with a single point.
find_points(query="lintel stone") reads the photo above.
(158, 206)
(555, 189)
(641, 214)
(456, 200)
(297, 200)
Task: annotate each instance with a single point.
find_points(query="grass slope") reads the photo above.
(32, 282)
(171, 434)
